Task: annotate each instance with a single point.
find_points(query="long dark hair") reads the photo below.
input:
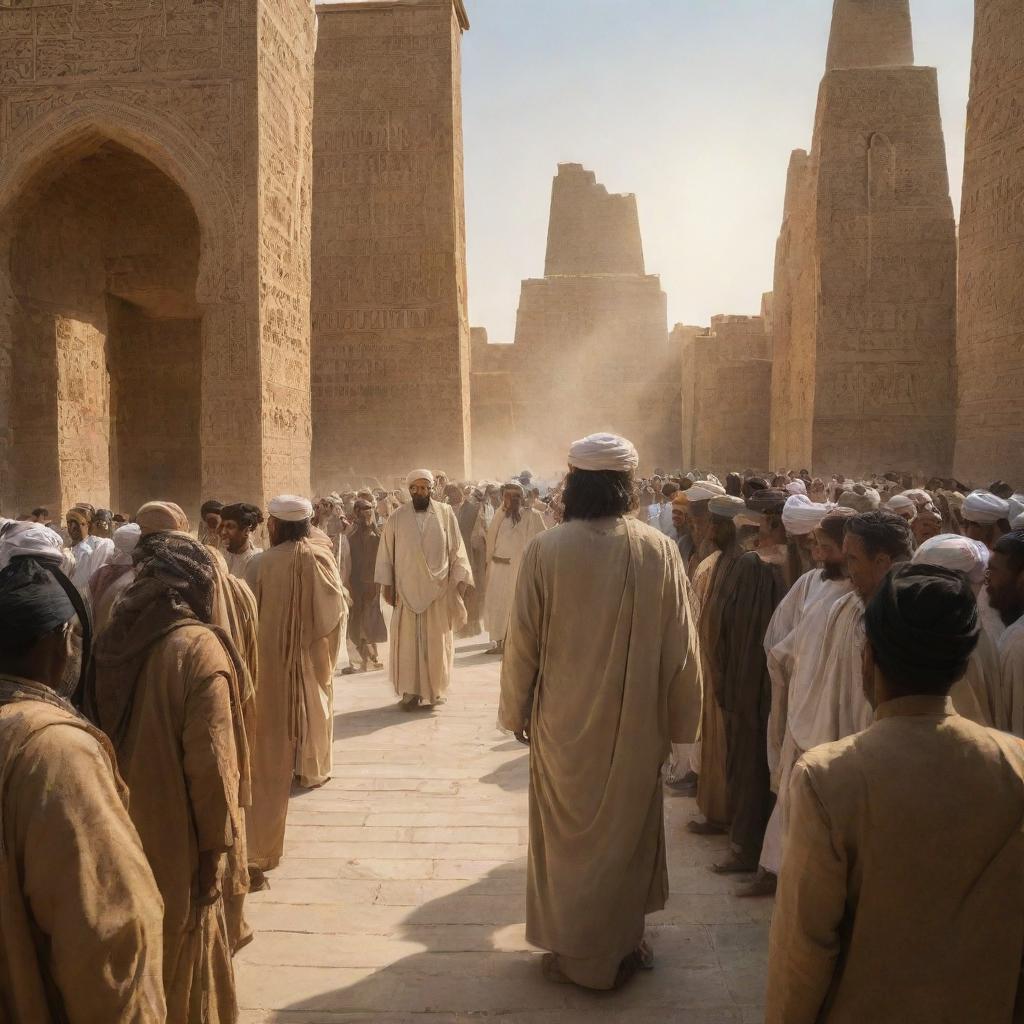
(596, 494)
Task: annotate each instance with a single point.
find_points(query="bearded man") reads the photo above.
(601, 658)
(511, 530)
(80, 932)
(366, 626)
(424, 569)
(165, 689)
(302, 618)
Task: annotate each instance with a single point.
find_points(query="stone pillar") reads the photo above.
(870, 34)
(990, 349)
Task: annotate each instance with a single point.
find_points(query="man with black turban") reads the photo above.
(80, 928)
(900, 893)
(164, 686)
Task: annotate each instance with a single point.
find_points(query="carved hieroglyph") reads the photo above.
(990, 342)
(155, 159)
(591, 350)
(865, 283)
(726, 391)
(390, 329)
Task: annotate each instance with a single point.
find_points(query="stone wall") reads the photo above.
(390, 329)
(990, 353)
(870, 34)
(726, 387)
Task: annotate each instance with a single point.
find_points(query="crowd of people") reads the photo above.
(835, 671)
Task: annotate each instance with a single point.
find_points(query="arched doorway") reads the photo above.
(106, 332)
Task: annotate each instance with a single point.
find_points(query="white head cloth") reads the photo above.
(419, 474)
(125, 540)
(901, 503)
(32, 539)
(702, 490)
(604, 451)
(984, 508)
(952, 551)
(290, 508)
(1018, 523)
(1016, 503)
(801, 516)
(796, 487)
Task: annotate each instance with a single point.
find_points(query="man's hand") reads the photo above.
(523, 736)
(389, 595)
(209, 882)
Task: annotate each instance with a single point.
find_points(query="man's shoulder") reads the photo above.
(45, 732)
(1013, 638)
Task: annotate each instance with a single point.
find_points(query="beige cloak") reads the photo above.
(425, 566)
(601, 665)
(506, 542)
(1011, 663)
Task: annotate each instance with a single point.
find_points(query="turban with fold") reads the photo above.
(984, 508)
(726, 506)
(858, 501)
(125, 539)
(361, 505)
(604, 452)
(702, 490)
(796, 487)
(952, 551)
(900, 503)
(768, 502)
(290, 508)
(923, 622)
(1018, 523)
(920, 497)
(31, 540)
(419, 474)
(1016, 503)
(801, 516)
(33, 602)
(161, 517)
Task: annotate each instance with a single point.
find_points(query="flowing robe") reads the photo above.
(302, 617)
(900, 898)
(601, 665)
(179, 759)
(472, 526)
(425, 567)
(1011, 663)
(80, 914)
(91, 554)
(237, 563)
(506, 542)
(365, 623)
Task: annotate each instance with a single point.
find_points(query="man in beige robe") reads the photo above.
(601, 674)
(162, 689)
(303, 612)
(80, 928)
(894, 905)
(424, 569)
(1005, 591)
(511, 530)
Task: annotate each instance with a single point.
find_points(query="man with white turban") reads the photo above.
(985, 517)
(601, 674)
(424, 569)
(303, 612)
(110, 581)
(694, 544)
(902, 506)
(511, 530)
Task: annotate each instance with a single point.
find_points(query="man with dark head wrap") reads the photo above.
(80, 932)
(905, 838)
(164, 686)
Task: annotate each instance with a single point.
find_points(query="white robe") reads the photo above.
(91, 553)
(425, 566)
(506, 540)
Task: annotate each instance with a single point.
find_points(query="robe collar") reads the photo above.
(909, 707)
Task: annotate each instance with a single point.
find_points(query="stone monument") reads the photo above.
(155, 178)
(866, 270)
(990, 342)
(390, 368)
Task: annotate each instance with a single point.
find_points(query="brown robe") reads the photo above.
(601, 665)
(365, 622)
(80, 914)
(900, 899)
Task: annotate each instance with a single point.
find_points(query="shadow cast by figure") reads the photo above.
(512, 776)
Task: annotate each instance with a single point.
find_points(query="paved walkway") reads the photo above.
(401, 895)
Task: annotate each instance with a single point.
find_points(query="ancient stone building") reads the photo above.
(591, 349)
(155, 173)
(390, 373)
(726, 374)
(990, 343)
(865, 282)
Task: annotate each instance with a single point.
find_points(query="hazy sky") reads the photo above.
(694, 105)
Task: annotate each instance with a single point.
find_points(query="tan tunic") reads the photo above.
(302, 619)
(425, 562)
(900, 899)
(1011, 661)
(601, 665)
(506, 543)
(178, 758)
(80, 914)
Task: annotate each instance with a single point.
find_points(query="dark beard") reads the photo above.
(420, 504)
(515, 514)
(833, 571)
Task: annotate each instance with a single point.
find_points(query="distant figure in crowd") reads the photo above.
(90, 552)
(424, 569)
(1006, 595)
(600, 675)
(510, 532)
(209, 523)
(470, 512)
(102, 524)
(81, 928)
(163, 688)
(238, 523)
(302, 619)
(366, 626)
(985, 517)
(111, 580)
(900, 896)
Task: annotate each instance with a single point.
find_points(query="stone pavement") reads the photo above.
(401, 895)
